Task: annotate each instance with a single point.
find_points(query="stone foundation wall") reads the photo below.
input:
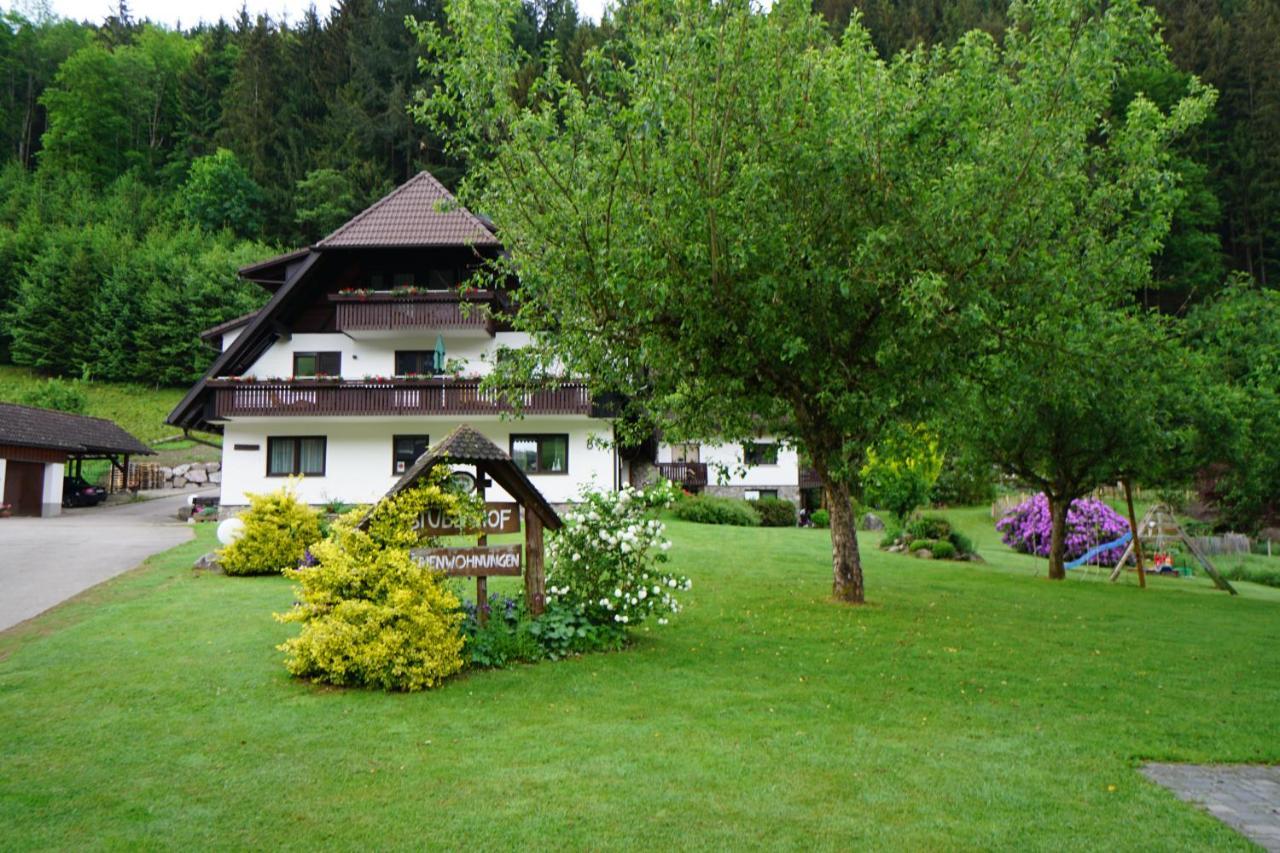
(193, 474)
(786, 493)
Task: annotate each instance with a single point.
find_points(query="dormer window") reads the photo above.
(317, 364)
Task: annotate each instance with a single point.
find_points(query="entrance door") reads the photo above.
(24, 487)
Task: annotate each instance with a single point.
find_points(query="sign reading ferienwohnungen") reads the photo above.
(472, 562)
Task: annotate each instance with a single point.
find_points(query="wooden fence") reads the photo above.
(1227, 543)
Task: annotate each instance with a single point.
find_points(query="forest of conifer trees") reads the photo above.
(143, 164)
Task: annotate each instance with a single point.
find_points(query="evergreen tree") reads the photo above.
(53, 314)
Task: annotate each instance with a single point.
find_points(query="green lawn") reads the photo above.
(966, 706)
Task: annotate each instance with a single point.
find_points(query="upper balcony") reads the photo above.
(374, 314)
(238, 398)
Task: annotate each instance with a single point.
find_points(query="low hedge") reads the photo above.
(820, 518)
(775, 512)
(929, 527)
(943, 550)
(709, 509)
(1254, 574)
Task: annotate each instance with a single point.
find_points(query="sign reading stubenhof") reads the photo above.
(498, 518)
(499, 560)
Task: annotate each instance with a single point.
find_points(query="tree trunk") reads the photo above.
(846, 563)
(1058, 538)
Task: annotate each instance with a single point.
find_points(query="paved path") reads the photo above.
(1246, 797)
(45, 561)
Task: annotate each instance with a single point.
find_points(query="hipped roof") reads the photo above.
(420, 212)
(26, 426)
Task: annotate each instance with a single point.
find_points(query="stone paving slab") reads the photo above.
(1245, 797)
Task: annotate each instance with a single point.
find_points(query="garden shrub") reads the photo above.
(59, 394)
(604, 564)
(942, 550)
(507, 637)
(709, 509)
(1028, 528)
(370, 615)
(891, 536)
(775, 512)
(920, 545)
(963, 544)
(565, 629)
(929, 527)
(820, 518)
(278, 528)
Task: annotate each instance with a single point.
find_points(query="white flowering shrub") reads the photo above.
(606, 562)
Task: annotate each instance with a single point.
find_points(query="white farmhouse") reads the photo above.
(368, 351)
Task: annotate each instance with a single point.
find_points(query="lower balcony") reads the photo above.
(332, 397)
(690, 475)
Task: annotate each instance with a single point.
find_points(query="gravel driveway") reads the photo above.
(45, 561)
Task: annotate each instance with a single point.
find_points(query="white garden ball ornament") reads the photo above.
(230, 530)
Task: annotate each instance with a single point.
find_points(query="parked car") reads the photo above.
(76, 491)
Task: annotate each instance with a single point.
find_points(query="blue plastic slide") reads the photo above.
(1093, 552)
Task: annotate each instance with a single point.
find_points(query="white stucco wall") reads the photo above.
(724, 466)
(229, 337)
(361, 358)
(3, 464)
(359, 458)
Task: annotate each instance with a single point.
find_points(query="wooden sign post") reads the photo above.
(465, 446)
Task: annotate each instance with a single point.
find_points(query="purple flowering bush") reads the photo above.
(1090, 522)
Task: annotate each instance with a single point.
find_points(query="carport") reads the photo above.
(37, 445)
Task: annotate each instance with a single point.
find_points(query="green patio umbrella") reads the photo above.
(439, 353)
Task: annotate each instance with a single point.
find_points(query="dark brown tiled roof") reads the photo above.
(25, 426)
(420, 212)
(464, 444)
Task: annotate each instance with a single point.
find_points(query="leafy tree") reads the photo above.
(325, 200)
(901, 469)
(219, 193)
(114, 109)
(744, 224)
(1239, 332)
(1083, 398)
(31, 52)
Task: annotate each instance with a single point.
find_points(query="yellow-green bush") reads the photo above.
(278, 529)
(370, 615)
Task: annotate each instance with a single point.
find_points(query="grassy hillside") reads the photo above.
(139, 409)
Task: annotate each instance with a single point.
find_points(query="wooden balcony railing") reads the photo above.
(687, 474)
(238, 399)
(443, 310)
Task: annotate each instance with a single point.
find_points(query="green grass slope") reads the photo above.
(139, 409)
(967, 706)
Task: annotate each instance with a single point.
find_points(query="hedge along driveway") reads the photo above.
(965, 707)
